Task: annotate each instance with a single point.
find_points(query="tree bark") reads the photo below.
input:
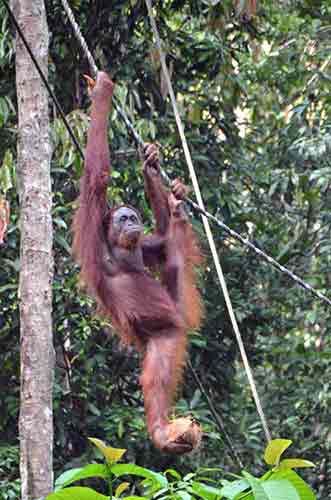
(36, 274)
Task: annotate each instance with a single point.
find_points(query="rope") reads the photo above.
(44, 79)
(207, 226)
(80, 37)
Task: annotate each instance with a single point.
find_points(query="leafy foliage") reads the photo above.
(9, 482)
(278, 483)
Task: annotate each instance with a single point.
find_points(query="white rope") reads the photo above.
(80, 37)
(207, 226)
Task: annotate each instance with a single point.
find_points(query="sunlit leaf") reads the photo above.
(292, 463)
(112, 455)
(304, 491)
(275, 449)
(120, 488)
(280, 489)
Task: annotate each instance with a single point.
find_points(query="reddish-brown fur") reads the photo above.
(153, 314)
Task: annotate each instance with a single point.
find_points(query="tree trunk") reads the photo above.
(35, 287)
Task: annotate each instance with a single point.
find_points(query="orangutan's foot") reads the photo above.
(178, 436)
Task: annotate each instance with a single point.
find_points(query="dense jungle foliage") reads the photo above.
(254, 93)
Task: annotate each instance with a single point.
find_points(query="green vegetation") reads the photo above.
(278, 483)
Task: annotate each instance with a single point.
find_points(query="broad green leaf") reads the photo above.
(77, 493)
(304, 491)
(233, 489)
(72, 475)
(120, 488)
(112, 455)
(65, 477)
(205, 491)
(275, 449)
(291, 463)
(280, 489)
(256, 485)
(135, 470)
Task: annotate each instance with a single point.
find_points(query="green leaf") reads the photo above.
(304, 491)
(77, 493)
(112, 455)
(62, 242)
(135, 470)
(275, 449)
(72, 475)
(152, 130)
(256, 485)
(280, 489)
(115, 175)
(291, 463)
(94, 410)
(205, 491)
(60, 222)
(194, 114)
(233, 489)
(65, 477)
(6, 168)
